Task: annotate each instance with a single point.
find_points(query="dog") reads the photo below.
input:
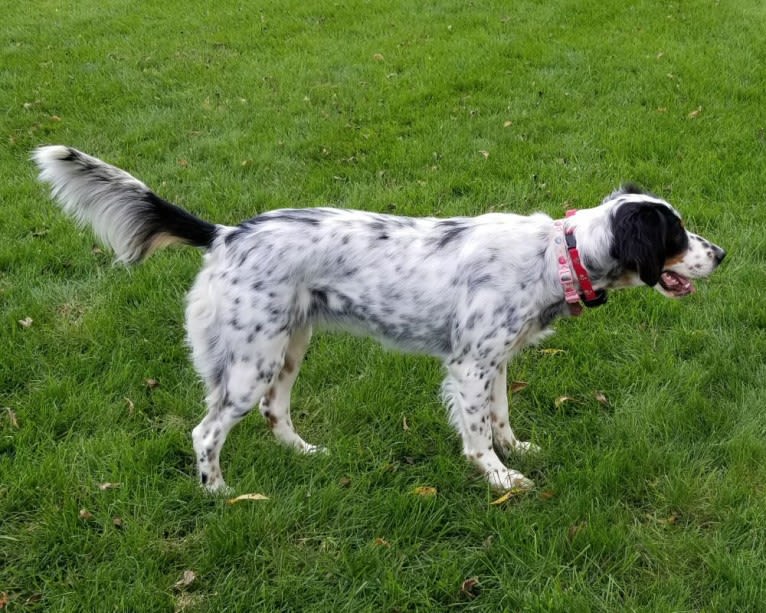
(471, 291)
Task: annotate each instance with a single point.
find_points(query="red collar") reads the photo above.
(568, 258)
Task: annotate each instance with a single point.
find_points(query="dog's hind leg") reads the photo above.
(275, 404)
(503, 437)
(241, 382)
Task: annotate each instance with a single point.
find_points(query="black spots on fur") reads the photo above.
(477, 282)
(203, 478)
(645, 235)
(551, 312)
(448, 231)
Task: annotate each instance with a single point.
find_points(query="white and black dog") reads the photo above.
(472, 291)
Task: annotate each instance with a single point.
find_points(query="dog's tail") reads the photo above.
(123, 212)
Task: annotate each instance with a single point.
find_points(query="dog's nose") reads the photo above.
(720, 254)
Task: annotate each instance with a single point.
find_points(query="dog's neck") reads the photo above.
(573, 276)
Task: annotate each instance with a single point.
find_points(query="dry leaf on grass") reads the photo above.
(511, 493)
(695, 113)
(4, 600)
(600, 398)
(551, 351)
(484, 154)
(186, 580)
(109, 486)
(381, 542)
(405, 425)
(470, 587)
(425, 490)
(247, 497)
(11, 417)
(26, 322)
(517, 386)
(151, 383)
(575, 529)
(547, 495)
(85, 515)
(562, 400)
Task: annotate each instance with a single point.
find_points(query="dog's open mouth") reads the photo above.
(676, 285)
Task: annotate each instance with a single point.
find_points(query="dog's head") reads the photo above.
(650, 243)
(651, 246)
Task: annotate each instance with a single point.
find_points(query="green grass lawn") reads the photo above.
(651, 487)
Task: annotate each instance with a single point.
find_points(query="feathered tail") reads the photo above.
(123, 212)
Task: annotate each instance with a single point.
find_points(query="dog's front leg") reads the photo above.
(467, 390)
(503, 437)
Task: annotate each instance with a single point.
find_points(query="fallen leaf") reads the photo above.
(575, 529)
(561, 400)
(599, 396)
(405, 425)
(381, 542)
(671, 520)
(517, 386)
(117, 522)
(378, 57)
(4, 600)
(425, 490)
(26, 322)
(246, 163)
(96, 250)
(131, 406)
(11, 417)
(547, 495)
(507, 124)
(33, 599)
(511, 493)
(151, 383)
(345, 482)
(108, 486)
(552, 351)
(662, 109)
(55, 118)
(484, 154)
(470, 587)
(247, 497)
(183, 163)
(695, 113)
(85, 515)
(186, 580)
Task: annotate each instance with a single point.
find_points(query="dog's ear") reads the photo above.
(639, 232)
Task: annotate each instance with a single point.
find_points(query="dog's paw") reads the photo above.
(504, 480)
(218, 489)
(315, 450)
(525, 447)
(505, 448)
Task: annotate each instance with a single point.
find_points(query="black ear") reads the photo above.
(640, 231)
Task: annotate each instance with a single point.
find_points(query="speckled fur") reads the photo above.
(469, 291)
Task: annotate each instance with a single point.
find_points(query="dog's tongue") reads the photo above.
(676, 284)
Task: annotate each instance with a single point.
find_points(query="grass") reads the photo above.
(650, 501)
